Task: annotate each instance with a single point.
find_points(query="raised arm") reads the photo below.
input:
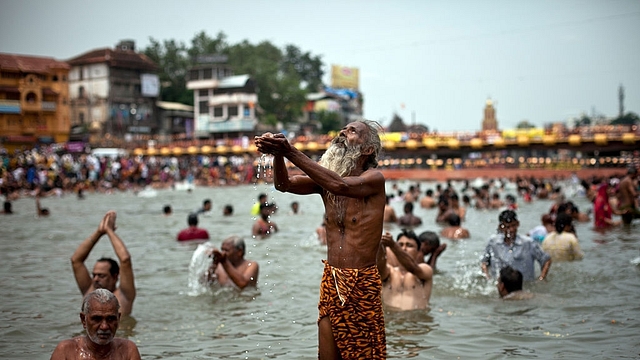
(433, 258)
(127, 283)
(241, 278)
(424, 273)
(381, 258)
(80, 271)
(367, 184)
(297, 184)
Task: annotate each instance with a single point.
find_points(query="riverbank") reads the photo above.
(470, 174)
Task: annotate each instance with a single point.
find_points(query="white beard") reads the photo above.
(340, 157)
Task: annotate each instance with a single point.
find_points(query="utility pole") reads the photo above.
(621, 100)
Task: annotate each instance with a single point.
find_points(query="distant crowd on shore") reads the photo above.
(55, 174)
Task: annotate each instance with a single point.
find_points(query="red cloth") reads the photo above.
(601, 208)
(193, 233)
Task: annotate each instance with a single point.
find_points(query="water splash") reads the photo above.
(198, 267)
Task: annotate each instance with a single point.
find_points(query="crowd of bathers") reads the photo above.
(52, 173)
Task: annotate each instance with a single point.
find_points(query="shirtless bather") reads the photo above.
(351, 321)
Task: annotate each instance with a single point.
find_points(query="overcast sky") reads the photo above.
(541, 61)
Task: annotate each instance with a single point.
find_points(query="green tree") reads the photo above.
(203, 44)
(279, 92)
(583, 121)
(525, 124)
(306, 66)
(330, 121)
(171, 57)
(629, 118)
(283, 78)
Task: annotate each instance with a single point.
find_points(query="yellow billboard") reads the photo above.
(343, 77)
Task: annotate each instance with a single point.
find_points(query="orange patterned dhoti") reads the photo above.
(351, 298)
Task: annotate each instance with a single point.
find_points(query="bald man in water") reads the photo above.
(100, 318)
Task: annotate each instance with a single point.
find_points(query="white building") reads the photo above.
(225, 105)
(113, 91)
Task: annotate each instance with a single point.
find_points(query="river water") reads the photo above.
(586, 309)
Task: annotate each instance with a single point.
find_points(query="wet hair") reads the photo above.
(511, 279)
(237, 242)
(206, 202)
(411, 235)
(546, 219)
(266, 205)
(166, 209)
(430, 238)
(102, 296)
(114, 269)
(192, 219)
(408, 207)
(453, 219)
(443, 200)
(562, 208)
(562, 220)
(429, 192)
(262, 196)
(511, 198)
(454, 197)
(372, 139)
(7, 207)
(507, 216)
(228, 209)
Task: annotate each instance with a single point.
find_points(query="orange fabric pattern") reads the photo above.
(351, 298)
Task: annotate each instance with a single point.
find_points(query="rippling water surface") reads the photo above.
(586, 309)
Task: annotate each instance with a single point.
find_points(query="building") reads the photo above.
(34, 101)
(113, 94)
(489, 122)
(346, 103)
(176, 121)
(225, 105)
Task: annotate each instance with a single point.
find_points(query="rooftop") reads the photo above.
(32, 64)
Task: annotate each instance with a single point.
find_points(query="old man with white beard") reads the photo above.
(350, 321)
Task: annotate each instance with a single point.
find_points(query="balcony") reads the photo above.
(10, 107)
(236, 98)
(231, 126)
(48, 106)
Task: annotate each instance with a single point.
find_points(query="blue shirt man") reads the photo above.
(507, 248)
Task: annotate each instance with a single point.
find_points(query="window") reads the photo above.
(204, 107)
(217, 111)
(81, 117)
(81, 92)
(233, 111)
(193, 75)
(207, 74)
(55, 78)
(31, 97)
(204, 92)
(10, 75)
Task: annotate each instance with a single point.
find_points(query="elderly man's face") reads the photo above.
(101, 321)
